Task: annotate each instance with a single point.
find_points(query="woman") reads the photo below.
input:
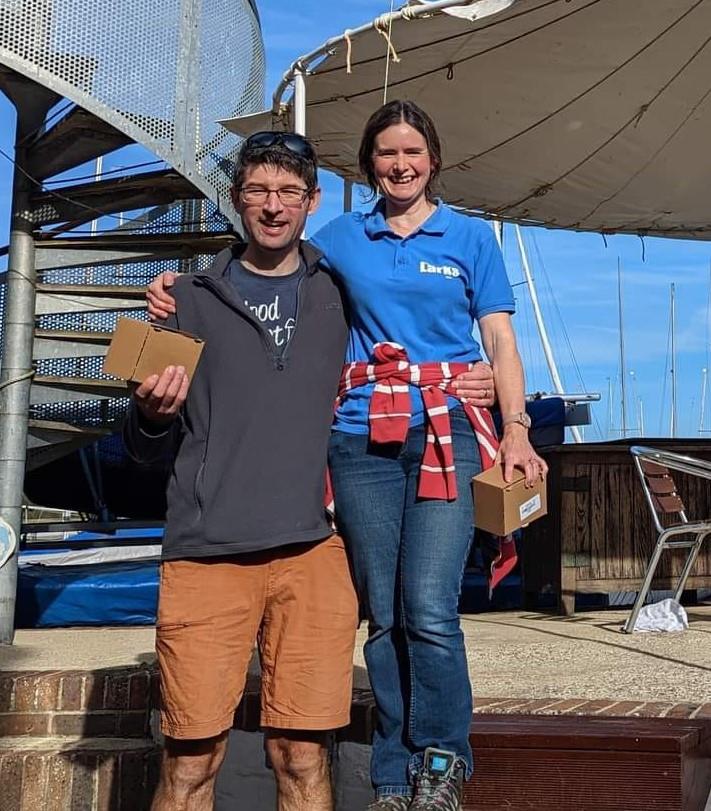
(417, 276)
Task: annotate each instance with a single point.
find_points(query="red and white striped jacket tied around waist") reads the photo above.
(389, 418)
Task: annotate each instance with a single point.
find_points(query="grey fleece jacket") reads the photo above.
(250, 445)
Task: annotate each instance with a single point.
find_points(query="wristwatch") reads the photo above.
(521, 417)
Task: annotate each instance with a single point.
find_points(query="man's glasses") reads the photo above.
(289, 196)
(291, 140)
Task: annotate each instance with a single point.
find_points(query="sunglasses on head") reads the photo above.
(290, 140)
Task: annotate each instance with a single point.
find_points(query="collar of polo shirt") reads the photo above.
(436, 224)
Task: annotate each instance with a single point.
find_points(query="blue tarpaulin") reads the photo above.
(104, 594)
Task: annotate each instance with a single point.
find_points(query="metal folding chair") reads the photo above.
(654, 468)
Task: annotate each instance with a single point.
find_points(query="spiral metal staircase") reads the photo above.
(92, 83)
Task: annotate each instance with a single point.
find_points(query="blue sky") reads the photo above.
(576, 274)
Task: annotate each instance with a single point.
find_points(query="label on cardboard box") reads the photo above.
(529, 507)
(140, 349)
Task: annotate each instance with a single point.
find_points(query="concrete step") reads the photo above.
(87, 774)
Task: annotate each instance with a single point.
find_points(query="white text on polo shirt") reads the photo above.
(441, 270)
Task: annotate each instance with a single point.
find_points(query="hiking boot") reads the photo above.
(394, 802)
(439, 784)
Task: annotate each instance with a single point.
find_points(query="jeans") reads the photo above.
(408, 558)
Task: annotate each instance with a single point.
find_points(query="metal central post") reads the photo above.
(300, 102)
(16, 368)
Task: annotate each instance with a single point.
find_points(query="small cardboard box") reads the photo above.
(500, 507)
(139, 349)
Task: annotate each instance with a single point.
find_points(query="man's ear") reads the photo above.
(314, 200)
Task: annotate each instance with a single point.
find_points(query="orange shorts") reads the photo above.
(298, 604)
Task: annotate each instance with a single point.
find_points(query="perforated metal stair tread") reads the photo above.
(85, 201)
(99, 290)
(78, 137)
(99, 338)
(190, 242)
(82, 383)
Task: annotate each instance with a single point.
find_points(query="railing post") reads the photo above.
(17, 336)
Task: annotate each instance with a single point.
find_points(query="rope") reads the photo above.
(384, 26)
(18, 379)
(349, 51)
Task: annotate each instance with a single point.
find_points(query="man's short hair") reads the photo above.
(284, 150)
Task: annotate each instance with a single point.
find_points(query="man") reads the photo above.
(248, 554)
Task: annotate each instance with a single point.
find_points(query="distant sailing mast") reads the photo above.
(704, 387)
(705, 370)
(673, 423)
(622, 350)
(543, 333)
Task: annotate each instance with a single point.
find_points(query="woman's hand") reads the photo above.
(160, 303)
(515, 450)
(476, 386)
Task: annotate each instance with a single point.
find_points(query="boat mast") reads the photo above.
(622, 349)
(610, 417)
(704, 386)
(635, 399)
(705, 370)
(547, 351)
(672, 431)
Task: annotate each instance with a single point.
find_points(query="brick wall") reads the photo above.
(104, 703)
(78, 741)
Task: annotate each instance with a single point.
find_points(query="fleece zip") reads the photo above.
(249, 449)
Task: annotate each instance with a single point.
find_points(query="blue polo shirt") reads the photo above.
(423, 291)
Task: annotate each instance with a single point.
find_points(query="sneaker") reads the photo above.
(439, 784)
(393, 802)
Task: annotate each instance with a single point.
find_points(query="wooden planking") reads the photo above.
(583, 519)
(599, 506)
(612, 544)
(560, 763)
(699, 495)
(540, 547)
(643, 531)
(614, 584)
(612, 564)
(627, 492)
(590, 732)
(564, 780)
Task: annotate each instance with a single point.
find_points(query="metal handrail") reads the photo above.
(410, 12)
(675, 461)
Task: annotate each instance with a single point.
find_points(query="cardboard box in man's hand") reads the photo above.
(140, 349)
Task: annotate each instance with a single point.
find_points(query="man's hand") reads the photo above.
(515, 450)
(477, 386)
(160, 398)
(160, 303)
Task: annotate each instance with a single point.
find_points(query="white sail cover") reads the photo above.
(579, 114)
